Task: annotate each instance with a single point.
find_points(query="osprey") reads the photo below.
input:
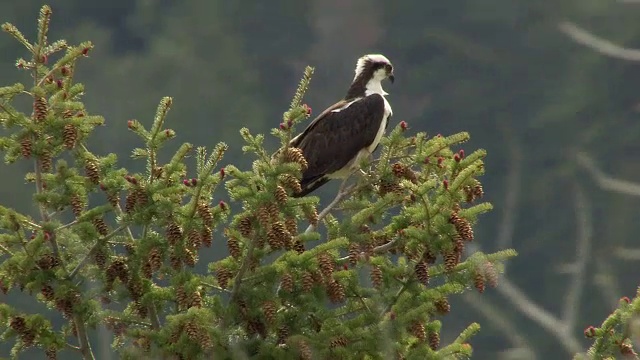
(350, 130)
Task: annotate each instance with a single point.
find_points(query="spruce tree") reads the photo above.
(369, 276)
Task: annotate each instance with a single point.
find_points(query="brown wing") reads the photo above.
(333, 139)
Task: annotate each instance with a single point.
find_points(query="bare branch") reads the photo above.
(607, 182)
(510, 213)
(494, 314)
(608, 283)
(539, 315)
(624, 253)
(342, 193)
(598, 44)
(584, 233)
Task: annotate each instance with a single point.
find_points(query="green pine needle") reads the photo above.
(303, 86)
(43, 26)
(13, 31)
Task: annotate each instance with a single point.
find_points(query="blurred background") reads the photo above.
(558, 117)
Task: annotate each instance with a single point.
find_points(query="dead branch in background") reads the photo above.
(605, 181)
(512, 189)
(494, 314)
(584, 234)
(598, 44)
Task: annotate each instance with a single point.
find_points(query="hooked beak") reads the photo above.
(391, 77)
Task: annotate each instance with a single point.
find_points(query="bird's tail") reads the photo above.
(310, 184)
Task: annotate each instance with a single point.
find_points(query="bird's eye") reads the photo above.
(388, 67)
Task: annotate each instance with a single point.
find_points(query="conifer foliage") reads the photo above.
(367, 277)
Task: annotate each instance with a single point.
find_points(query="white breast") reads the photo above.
(388, 112)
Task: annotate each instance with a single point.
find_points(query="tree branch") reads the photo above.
(494, 314)
(512, 191)
(604, 181)
(93, 249)
(343, 192)
(598, 44)
(83, 339)
(584, 233)
(539, 315)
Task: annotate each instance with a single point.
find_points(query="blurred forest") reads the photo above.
(558, 120)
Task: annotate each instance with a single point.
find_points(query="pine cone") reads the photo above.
(77, 205)
(417, 329)
(376, 276)
(26, 147)
(463, 227)
(264, 217)
(278, 236)
(130, 202)
(451, 260)
(51, 353)
(292, 225)
(141, 196)
(295, 155)
(336, 291)
(194, 239)
(399, 170)
(223, 275)
(478, 192)
(305, 350)
(234, 247)
(113, 199)
(311, 214)
(282, 334)
(135, 289)
(47, 292)
(429, 257)
(354, 253)
(181, 298)
(92, 172)
(18, 324)
(326, 264)
(286, 282)
(100, 258)
(204, 211)
(190, 258)
(269, 310)
(120, 269)
(40, 109)
(206, 236)
(291, 182)
(155, 259)
(65, 306)
(281, 195)
(196, 300)
(46, 160)
(434, 340)
(69, 136)
(174, 233)
(245, 226)
(442, 306)
(491, 274)
(307, 282)
(338, 341)
(146, 270)
(422, 273)
(387, 187)
(101, 226)
(478, 280)
(176, 261)
(298, 246)
(48, 262)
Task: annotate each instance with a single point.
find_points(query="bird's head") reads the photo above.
(375, 66)
(371, 70)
